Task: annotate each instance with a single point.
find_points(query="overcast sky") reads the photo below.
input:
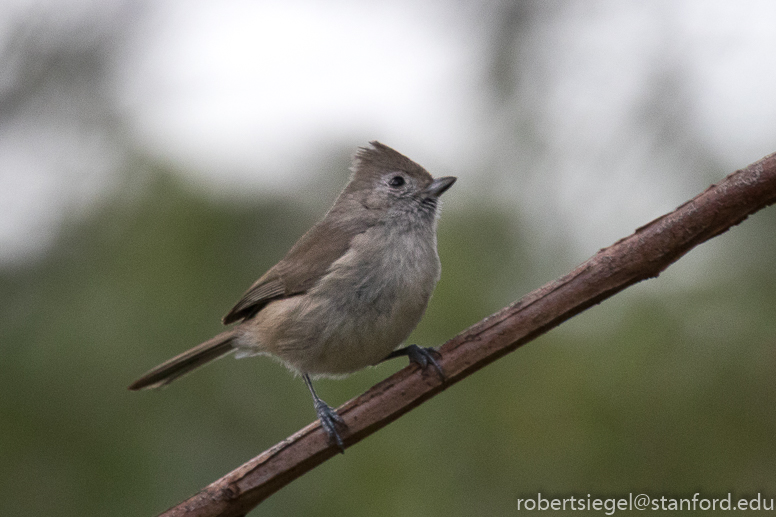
(239, 95)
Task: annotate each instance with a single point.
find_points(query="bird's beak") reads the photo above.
(439, 186)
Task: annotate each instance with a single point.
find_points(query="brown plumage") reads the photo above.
(349, 291)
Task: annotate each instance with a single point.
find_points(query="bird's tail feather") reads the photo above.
(189, 360)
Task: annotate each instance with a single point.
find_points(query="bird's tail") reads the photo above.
(189, 360)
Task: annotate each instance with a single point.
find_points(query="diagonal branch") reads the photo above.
(644, 254)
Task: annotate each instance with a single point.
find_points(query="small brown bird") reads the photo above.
(349, 292)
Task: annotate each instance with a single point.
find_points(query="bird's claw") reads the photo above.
(330, 421)
(425, 357)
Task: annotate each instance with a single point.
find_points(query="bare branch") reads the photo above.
(644, 254)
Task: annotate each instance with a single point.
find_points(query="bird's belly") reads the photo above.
(374, 300)
(340, 335)
(359, 312)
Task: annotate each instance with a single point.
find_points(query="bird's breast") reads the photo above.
(370, 300)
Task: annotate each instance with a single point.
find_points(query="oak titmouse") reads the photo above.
(349, 292)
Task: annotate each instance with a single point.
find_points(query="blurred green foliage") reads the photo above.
(659, 390)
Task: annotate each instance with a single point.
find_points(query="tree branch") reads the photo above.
(644, 254)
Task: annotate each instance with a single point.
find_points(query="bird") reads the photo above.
(348, 293)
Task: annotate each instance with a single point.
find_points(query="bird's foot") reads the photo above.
(330, 421)
(423, 357)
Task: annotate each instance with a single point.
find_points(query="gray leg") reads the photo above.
(328, 417)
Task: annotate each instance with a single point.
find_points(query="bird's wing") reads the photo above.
(301, 268)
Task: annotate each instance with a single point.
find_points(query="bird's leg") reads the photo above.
(328, 417)
(424, 357)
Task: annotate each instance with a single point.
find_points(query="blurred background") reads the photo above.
(157, 157)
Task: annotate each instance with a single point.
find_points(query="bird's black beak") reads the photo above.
(439, 186)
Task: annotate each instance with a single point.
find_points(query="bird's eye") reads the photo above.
(396, 181)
